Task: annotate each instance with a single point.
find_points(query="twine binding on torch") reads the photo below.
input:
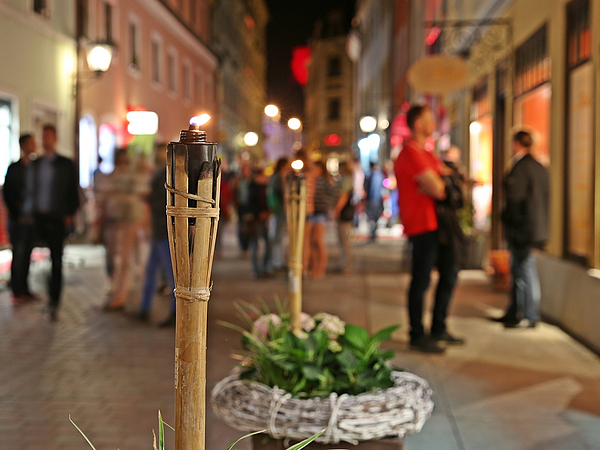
(185, 211)
(200, 213)
(175, 191)
(201, 294)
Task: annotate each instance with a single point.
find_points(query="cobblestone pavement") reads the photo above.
(506, 390)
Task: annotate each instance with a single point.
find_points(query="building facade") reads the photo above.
(533, 65)
(371, 50)
(329, 96)
(162, 64)
(239, 41)
(36, 78)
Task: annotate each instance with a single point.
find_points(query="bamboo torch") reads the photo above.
(296, 216)
(193, 185)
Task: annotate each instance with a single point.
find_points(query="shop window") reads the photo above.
(532, 63)
(533, 93)
(481, 156)
(578, 31)
(334, 109)
(107, 143)
(7, 150)
(579, 131)
(88, 153)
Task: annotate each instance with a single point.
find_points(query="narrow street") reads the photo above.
(505, 390)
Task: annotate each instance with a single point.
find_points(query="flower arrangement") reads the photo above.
(326, 356)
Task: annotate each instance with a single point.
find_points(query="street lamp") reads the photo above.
(251, 139)
(294, 124)
(368, 124)
(99, 56)
(272, 111)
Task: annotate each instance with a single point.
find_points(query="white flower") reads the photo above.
(334, 346)
(306, 322)
(332, 325)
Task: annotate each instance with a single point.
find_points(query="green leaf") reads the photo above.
(312, 372)
(244, 437)
(161, 432)
(305, 442)
(384, 334)
(347, 359)
(82, 433)
(356, 336)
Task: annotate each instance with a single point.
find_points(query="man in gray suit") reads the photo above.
(525, 217)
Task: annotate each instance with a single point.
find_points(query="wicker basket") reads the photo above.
(385, 413)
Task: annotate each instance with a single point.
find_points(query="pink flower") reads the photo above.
(262, 325)
(307, 322)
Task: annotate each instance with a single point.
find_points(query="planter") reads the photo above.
(474, 252)
(381, 414)
(265, 442)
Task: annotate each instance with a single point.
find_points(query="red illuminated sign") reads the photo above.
(332, 140)
(300, 62)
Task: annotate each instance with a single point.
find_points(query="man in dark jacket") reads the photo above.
(53, 198)
(20, 225)
(525, 217)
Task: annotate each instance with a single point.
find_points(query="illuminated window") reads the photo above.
(578, 32)
(532, 63)
(6, 123)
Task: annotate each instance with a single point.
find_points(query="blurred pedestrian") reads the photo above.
(525, 218)
(373, 198)
(53, 198)
(343, 213)
(240, 189)
(225, 205)
(122, 204)
(21, 226)
(258, 215)
(358, 178)
(275, 201)
(322, 199)
(160, 255)
(418, 173)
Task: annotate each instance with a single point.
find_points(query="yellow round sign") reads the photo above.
(438, 74)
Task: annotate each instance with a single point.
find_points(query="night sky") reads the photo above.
(292, 24)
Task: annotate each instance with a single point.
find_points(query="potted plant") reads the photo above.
(328, 375)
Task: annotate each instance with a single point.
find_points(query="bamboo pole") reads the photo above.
(191, 165)
(296, 211)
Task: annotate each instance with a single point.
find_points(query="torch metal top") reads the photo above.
(193, 135)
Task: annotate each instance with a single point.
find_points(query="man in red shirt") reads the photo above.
(420, 185)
